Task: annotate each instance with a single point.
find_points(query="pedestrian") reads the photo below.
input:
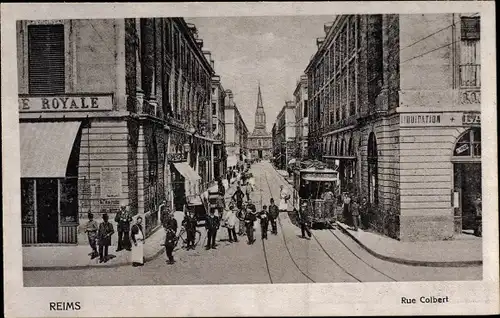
(248, 190)
(284, 197)
(212, 225)
(347, 208)
(273, 216)
(264, 222)
(329, 202)
(123, 219)
(170, 242)
(364, 214)
(104, 234)
(231, 220)
(137, 236)
(189, 223)
(304, 220)
(91, 229)
(478, 228)
(240, 214)
(355, 214)
(250, 218)
(238, 197)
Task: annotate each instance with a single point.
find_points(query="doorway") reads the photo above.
(260, 154)
(467, 180)
(47, 210)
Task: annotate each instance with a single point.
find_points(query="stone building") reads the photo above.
(284, 136)
(301, 117)
(396, 100)
(219, 127)
(111, 111)
(236, 132)
(260, 141)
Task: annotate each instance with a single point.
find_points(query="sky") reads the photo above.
(272, 50)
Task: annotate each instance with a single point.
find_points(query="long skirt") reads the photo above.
(283, 205)
(138, 252)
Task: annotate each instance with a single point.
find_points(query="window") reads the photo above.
(213, 90)
(69, 200)
(470, 55)
(46, 59)
(27, 201)
(168, 36)
(352, 88)
(352, 34)
(372, 169)
(332, 59)
(306, 111)
(469, 145)
(214, 127)
(214, 108)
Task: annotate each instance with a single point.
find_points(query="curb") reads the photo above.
(402, 260)
(407, 261)
(77, 267)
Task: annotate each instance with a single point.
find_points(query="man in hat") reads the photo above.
(273, 216)
(212, 224)
(123, 219)
(104, 234)
(304, 220)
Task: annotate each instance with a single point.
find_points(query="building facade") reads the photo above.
(236, 132)
(397, 105)
(260, 141)
(219, 127)
(284, 136)
(301, 117)
(115, 112)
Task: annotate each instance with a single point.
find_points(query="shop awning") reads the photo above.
(186, 171)
(232, 161)
(46, 147)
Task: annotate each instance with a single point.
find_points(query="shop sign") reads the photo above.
(65, 103)
(471, 119)
(430, 119)
(111, 182)
(109, 205)
(175, 157)
(462, 148)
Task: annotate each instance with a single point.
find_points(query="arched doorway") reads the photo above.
(372, 169)
(467, 199)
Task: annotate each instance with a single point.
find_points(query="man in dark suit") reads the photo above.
(104, 238)
(170, 226)
(212, 225)
(189, 224)
(273, 216)
(304, 220)
(123, 219)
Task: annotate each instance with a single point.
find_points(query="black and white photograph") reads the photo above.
(250, 150)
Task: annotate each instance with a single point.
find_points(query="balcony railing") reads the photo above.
(470, 75)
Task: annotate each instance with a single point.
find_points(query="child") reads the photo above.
(91, 229)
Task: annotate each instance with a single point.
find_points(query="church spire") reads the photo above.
(259, 99)
(260, 114)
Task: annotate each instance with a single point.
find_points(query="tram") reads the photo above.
(310, 183)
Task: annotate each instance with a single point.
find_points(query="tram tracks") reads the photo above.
(323, 248)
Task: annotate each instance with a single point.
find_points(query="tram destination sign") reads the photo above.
(65, 103)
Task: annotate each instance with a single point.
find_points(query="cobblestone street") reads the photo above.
(329, 256)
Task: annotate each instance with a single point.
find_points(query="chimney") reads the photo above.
(229, 96)
(327, 27)
(199, 42)
(319, 41)
(208, 55)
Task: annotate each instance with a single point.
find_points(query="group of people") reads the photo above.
(130, 238)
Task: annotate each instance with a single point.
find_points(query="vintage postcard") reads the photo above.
(249, 159)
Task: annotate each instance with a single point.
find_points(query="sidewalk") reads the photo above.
(60, 257)
(77, 256)
(463, 251)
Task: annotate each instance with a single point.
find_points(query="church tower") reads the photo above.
(260, 117)
(260, 142)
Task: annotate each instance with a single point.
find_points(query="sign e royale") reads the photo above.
(65, 103)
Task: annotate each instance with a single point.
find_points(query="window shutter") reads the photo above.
(470, 28)
(46, 59)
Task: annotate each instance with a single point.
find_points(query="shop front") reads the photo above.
(49, 181)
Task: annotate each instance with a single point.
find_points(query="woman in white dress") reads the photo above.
(284, 197)
(137, 236)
